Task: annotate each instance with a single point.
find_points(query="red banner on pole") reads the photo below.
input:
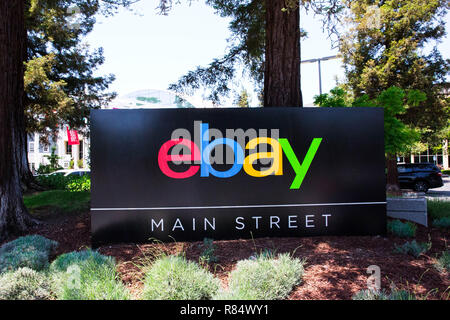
(72, 137)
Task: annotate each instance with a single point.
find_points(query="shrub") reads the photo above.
(443, 263)
(383, 295)
(25, 284)
(78, 258)
(61, 182)
(54, 181)
(264, 278)
(402, 229)
(87, 275)
(413, 248)
(79, 184)
(438, 209)
(175, 278)
(442, 223)
(371, 295)
(30, 251)
(207, 255)
(46, 169)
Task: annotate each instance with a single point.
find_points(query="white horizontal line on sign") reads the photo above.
(245, 206)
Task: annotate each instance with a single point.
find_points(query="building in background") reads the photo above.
(439, 158)
(38, 151)
(78, 154)
(145, 99)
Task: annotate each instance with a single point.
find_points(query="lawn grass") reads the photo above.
(57, 201)
(438, 209)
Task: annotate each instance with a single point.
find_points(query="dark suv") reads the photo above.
(419, 176)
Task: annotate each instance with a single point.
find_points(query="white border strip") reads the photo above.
(244, 206)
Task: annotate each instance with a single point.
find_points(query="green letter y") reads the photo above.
(300, 170)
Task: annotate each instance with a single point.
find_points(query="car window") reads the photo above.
(425, 167)
(403, 169)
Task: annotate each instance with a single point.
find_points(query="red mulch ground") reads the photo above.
(335, 269)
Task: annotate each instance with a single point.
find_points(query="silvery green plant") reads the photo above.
(207, 255)
(443, 262)
(175, 278)
(87, 275)
(443, 222)
(383, 295)
(413, 248)
(31, 251)
(402, 229)
(25, 284)
(264, 277)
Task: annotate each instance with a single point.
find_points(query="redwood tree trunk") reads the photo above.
(14, 218)
(282, 56)
(392, 174)
(28, 182)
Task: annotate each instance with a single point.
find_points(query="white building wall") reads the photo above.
(37, 151)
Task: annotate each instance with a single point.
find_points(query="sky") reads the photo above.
(145, 50)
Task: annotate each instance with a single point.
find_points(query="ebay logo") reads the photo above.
(201, 154)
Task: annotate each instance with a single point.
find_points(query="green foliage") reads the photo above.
(371, 295)
(80, 163)
(442, 223)
(58, 201)
(402, 229)
(337, 97)
(53, 166)
(60, 82)
(30, 251)
(384, 47)
(53, 181)
(264, 278)
(207, 255)
(241, 100)
(65, 260)
(398, 137)
(383, 295)
(61, 182)
(46, 169)
(445, 171)
(246, 45)
(175, 278)
(25, 284)
(438, 209)
(79, 184)
(413, 248)
(87, 275)
(443, 263)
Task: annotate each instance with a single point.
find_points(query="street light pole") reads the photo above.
(319, 60)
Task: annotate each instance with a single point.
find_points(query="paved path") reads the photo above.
(442, 192)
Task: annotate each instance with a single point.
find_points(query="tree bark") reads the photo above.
(282, 56)
(392, 184)
(28, 182)
(14, 217)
